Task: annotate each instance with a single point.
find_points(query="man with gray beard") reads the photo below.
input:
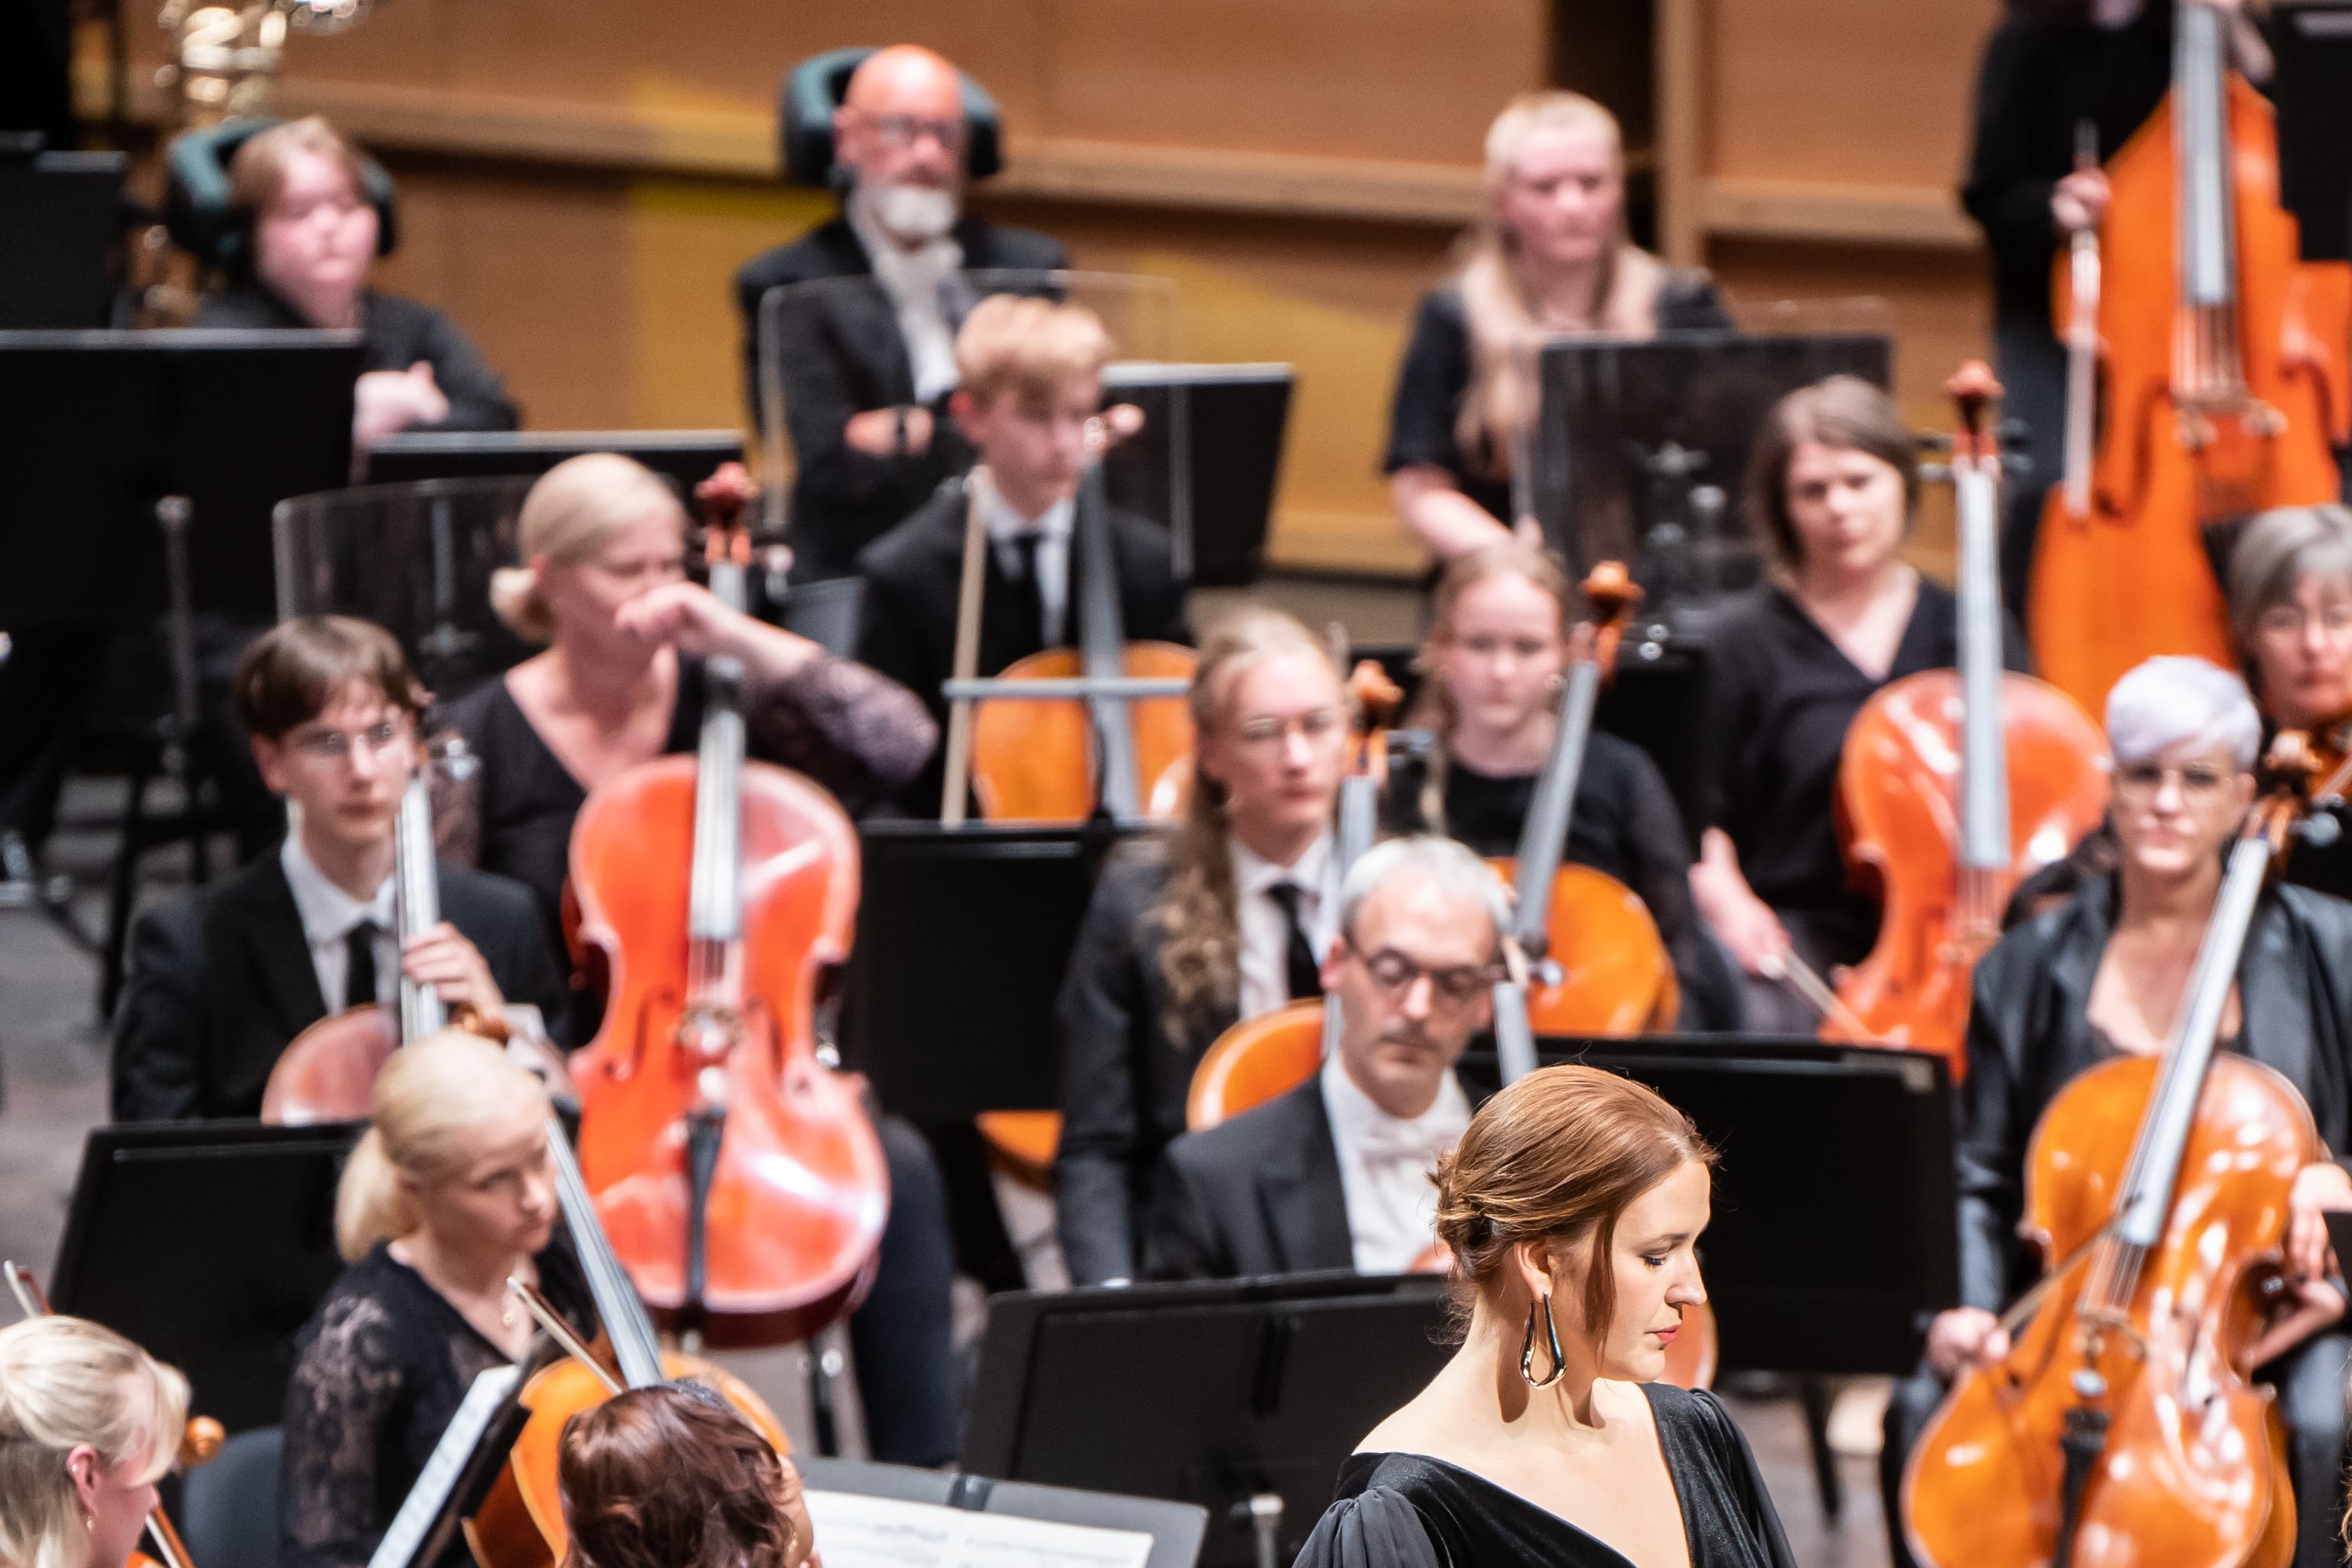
(866, 367)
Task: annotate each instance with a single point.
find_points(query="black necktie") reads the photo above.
(359, 969)
(1029, 593)
(1299, 953)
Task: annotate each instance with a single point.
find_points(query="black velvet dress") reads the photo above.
(1408, 1511)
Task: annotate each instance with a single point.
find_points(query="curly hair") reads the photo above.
(666, 1477)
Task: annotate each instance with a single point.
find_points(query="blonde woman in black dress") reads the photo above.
(1573, 1206)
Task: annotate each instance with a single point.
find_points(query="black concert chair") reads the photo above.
(229, 1509)
(812, 91)
(196, 207)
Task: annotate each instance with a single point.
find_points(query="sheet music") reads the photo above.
(422, 1505)
(854, 1531)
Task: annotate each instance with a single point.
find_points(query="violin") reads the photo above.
(2226, 385)
(1946, 851)
(737, 1176)
(520, 1523)
(2121, 1428)
(199, 1441)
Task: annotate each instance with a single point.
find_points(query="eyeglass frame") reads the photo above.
(1477, 977)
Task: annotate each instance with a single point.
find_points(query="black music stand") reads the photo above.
(59, 214)
(986, 915)
(685, 457)
(1175, 1528)
(1242, 1396)
(1211, 478)
(2314, 39)
(210, 1243)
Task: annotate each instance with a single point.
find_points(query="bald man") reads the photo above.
(868, 366)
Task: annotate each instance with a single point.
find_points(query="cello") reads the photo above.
(1946, 852)
(2121, 1430)
(738, 1176)
(2225, 381)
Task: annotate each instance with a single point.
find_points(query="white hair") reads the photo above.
(1444, 864)
(2174, 700)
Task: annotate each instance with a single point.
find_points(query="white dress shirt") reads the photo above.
(1004, 524)
(1265, 931)
(1386, 1165)
(329, 913)
(912, 278)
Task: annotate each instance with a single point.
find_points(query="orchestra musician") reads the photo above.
(2290, 595)
(622, 679)
(1571, 1207)
(1550, 256)
(1031, 378)
(89, 1424)
(1185, 937)
(867, 374)
(670, 1475)
(2105, 974)
(1496, 656)
(1336, 1173)
(222, 977)
(1832, 487)
(312, 240)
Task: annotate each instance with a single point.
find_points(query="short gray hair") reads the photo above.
(2277, 550)
(2169, 701)
(1444, 864)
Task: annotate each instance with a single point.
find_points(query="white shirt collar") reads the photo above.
(1004, 519)
(1386, 1164)
(1254, 873)
(328, 912)
(1358, 1120)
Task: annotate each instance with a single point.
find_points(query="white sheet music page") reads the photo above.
(422, 1504)
(854, 1531)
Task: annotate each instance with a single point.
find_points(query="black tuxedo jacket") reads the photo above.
(1124, 1074)
(1260, 1193)
(221, 983)
(843, 354)
(907, 626)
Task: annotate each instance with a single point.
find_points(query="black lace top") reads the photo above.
(379, 1371)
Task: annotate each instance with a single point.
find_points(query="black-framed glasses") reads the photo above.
(1454, 985)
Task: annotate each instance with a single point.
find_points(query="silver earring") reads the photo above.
(1527, 1348)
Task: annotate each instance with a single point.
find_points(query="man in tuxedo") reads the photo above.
(1031, 374)
(1336, 1173)
(222, 977)
(867, 362)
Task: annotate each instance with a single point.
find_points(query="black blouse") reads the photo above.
(1437, 373)
(395, 333)
(1625, 824)
(379, 1371)
(1781, 695)
(1409, 1511)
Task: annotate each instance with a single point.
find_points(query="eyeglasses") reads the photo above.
(2295, 621)
(1314, 724)
(326, 747)
(901, 131)
(1455, 985)
(2197, 781)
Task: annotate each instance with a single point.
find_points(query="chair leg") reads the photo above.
(122, 888)
(1813, 1393)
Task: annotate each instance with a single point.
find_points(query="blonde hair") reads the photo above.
(1200, 959)
(65, 1381)
(427, 1097)
(256, 173)
(1505, 330)
(570, 514)
(1434, 710)
(1034, 348)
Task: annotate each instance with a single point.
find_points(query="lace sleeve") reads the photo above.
(853, 730)
(340, 1405)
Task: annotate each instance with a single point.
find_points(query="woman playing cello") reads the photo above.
(2291, 617)
(89, 1424)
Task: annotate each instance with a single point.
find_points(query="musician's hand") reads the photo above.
(443, 959)
(2315, 1305)
(791, 1502)
(684, 616)
(1965, 1336)
(2319, 1186)
(386, 402)
(876, 431)
(2080, 201)
(1753, 933)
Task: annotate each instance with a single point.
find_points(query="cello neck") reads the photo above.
(2207, 352)
(417, 899)
(1102, 644)
(617, 1304)
(1985, 854)
(715, 896)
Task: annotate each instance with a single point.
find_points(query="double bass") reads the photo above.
(2225, 378)
(737, 1174)
(1955, 784)
(2121, 1428)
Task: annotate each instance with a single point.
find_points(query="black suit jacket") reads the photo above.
(1124, 1074)
(907, 626)
(843, 354)
(221, 983)
(1258, 1194)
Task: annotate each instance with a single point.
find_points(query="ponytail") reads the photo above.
(368, 1205)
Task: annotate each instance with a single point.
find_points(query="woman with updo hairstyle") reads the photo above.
(2290, 595)
(1573, 1206)
(89, 1424)
(670, 1477)
(1832, 484)
(447, 1195)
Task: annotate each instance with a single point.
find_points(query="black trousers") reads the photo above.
(2310, 1383)
(906, 1374)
